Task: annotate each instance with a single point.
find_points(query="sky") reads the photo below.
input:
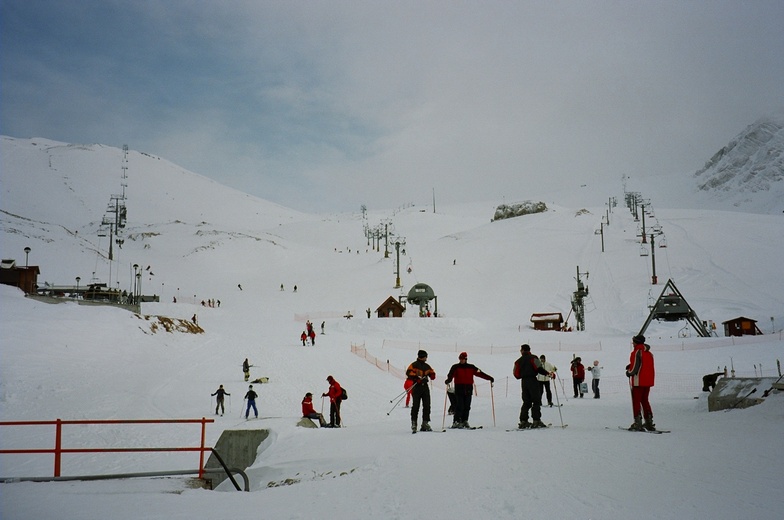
(327, 106)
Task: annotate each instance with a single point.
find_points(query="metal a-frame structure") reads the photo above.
(672, 306)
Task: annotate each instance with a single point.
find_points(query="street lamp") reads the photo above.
(27, 252)
(78, 279)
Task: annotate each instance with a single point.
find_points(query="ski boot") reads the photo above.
(465, 425)
(637, 424)
(456, 425)
(426, 427)
(523, 425)
(413, 426)
(648, 425)
(538, 424)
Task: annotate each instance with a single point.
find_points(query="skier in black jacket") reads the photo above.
(525, 369)
(220, 392)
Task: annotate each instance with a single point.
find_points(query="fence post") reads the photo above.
(58, 439)
(201, 452)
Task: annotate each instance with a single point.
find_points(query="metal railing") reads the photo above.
(58, 450)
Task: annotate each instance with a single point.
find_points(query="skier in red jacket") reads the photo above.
(578, 376)
(334, 393)
(309, 412)
(463, 373)
(641, 374)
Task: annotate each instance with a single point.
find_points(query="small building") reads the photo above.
(547, 321)
(26, 278)
(391, 308)
(741, 326)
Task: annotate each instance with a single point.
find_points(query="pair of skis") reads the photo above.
(624, 428)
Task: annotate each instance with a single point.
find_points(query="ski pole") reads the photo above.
(400, 399)
(443, 420)
(492, 403)
(558, 402)
(398, 396)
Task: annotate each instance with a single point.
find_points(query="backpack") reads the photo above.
(343, 394)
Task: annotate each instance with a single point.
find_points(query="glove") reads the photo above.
(628, 374)
(447, 381)
(552, 375)
(492, 380)
(323, 395)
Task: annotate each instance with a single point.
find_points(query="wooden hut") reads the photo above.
(26, 278)
(391, 308)
(741, 326)
(547, 320)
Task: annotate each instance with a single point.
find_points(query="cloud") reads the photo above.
(345, 103)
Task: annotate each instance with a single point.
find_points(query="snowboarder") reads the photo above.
(463, 373)
(641, 374)
(596, 373)
(220, 392)
(544, 381)
(578, 376)
(309, 412)
(335, 393)
(525, 369)
(419, 372)
(246, 369)
(251, 398)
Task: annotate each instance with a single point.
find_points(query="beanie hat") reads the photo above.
(639, 338)
(250, 386)
(463, 355)
(422, 354)
(526, 347)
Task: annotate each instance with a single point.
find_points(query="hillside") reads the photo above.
(201, 241)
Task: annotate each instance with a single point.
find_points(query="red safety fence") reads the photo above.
(58, 449)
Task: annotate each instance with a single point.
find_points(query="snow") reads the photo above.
(201, 240)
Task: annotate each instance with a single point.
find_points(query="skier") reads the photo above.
(408, 384)
(596, 373)
(526, 368)
(463, 373)
(312, 335)
(251, 397)
(304, 338)
(578, 376)
(334, 393)
(641, 374)
(220, 392)
(544, 381)
(246, 369)
(309, 412)
(419, 372)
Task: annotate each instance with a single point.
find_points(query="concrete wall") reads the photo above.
(730, 392)
(238, 449)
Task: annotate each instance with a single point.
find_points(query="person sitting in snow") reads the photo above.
(309, 412)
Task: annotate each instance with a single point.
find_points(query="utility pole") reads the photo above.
(577, 300)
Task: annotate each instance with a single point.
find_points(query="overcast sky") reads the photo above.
(324, 106)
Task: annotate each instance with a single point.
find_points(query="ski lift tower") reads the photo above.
(577, 300)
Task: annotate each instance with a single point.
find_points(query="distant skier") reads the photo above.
(641, 374)
(304, 338)
(544, 381)
(596, 374)
(421, 374)
(578, 376)
(525, 369)
(312, 335)
(463, 373)
(251, 398)
(246, 369)
(220, 392)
